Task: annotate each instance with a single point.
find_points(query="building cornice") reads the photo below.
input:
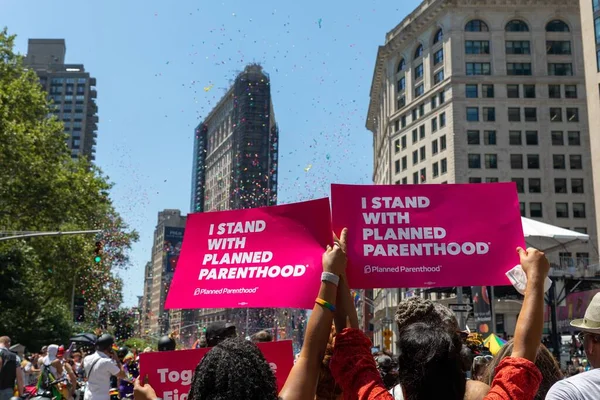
(420, 19)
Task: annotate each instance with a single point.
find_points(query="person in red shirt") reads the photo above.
(517, 378)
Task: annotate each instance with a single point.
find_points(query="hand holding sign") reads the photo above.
(334, 260)
(145, 392)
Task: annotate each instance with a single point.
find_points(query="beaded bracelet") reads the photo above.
(325, 304)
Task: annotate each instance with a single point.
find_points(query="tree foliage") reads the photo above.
(43, 189)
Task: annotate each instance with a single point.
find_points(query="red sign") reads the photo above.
(170, 373)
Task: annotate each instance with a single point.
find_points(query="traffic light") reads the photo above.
(387, 338)
(98, 252)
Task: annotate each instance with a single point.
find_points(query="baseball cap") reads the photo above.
(218, 332)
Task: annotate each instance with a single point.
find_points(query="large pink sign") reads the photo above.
(170, 373)
(260, 257)
(429, 235)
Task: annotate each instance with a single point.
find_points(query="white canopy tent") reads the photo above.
(548, 237)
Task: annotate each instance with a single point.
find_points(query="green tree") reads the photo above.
(43, 189)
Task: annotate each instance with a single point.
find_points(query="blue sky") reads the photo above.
(154, 59)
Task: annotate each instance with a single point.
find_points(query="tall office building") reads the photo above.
(168, 237)
(72, 91)
(590, 28)
(478, 91)
(146, 301)
(235, 166)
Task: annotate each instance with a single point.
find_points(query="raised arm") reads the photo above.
(530, 325)
(302, 381)
(345, 315)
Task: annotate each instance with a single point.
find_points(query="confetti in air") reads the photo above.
(308, 167)
(320, 22)
(207, 88)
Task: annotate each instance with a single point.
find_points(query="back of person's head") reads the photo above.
(479, 367)
(544, 360)
(166, 343)
(235, 369)
(327, 387)
(430, 364)
(417, 309)
(105, 342)
(5, 340)
(218, 332)
(262, 336)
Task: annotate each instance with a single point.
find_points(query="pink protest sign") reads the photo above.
(260, 257)
(170, 373)
(429, 235)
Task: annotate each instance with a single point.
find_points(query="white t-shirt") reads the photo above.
(397, 392)
(584, 386)
(98, 384)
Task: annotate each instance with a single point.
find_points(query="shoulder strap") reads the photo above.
(92, 367)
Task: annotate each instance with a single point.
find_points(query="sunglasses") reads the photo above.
(487, 358)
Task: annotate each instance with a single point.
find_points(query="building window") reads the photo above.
(535, 210)
(401, 103)
(535, 185)
(403, 142)
(415, 157)
(531, 138)
(516, 161)
(580, 230)
(423, 174)
(571, 91)
(558, 161)
(439, 35)
(489, 137)
(520, 69)
(560, 185)
(415, 178)
(477, 47)
(438, 77)
(415, 136)
(403, 121)
(578, 210)
(533, 161)
(438, 57)
(572, 115)
(436, 170)
(422, 132)
(487, 91)
(434, 147)
(557, 26)
(419, 72)
(471, 91)
(415, 114)
(514, 138)
(516, 25)
(557, 138)
(443, 143)
(576, 185)
(518, 47)
(554, 91)
(530, 114)
(596, 5)
(473, 137)
(419, 51)
(442, 97)
(476, 25)
(514, 114)
(575, 161)
(422, 153)
(419, 90)
(442, 120)
(401, 65)
(474, 180)
(444, 166)
(574, 138)
(560, 69)
(474, 68)
(520, 182)
(489, 114)
(404, 163)
(512, 91)
(434, 124)
(562, 210)
(473, 114)
(529, 91)
(401, 84)
(397, 146)
(522, 208)
(397, 166)
(433, 102)
(555, 114)
(491, 161)
(421, 109)
(558, 47)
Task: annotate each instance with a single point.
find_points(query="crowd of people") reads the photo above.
(436, 360)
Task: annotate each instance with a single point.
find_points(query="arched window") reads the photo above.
(419, 51)
(516, 25)
(557, 26)
(439, 35)
(476, 25)
(401, 65)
